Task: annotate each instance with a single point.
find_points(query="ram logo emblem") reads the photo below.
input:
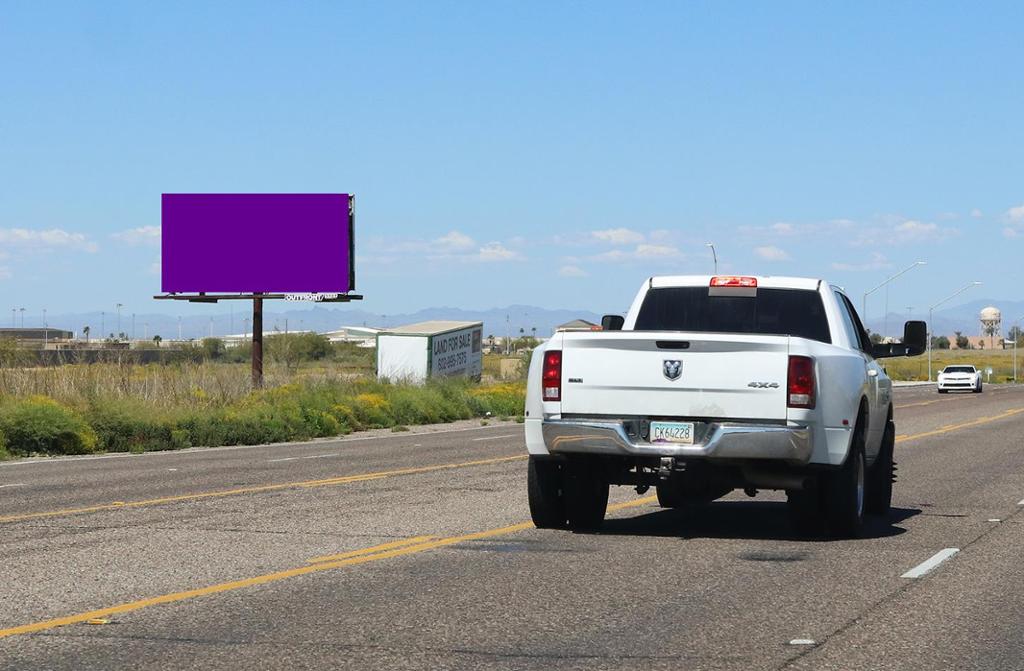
(764, 385)
(672, 368)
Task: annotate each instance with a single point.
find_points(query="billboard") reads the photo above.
(257, 243)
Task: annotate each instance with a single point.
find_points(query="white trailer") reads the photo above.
(416, 352)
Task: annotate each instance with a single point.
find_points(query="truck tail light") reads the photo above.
(733, 281)
(551, 378)
(800, 385)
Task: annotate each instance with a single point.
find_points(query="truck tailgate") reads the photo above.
(627, 373)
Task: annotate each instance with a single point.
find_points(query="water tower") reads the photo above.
(991, 324)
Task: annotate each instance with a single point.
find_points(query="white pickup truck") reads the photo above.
(711, 384)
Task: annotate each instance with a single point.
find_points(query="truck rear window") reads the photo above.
(794, 312)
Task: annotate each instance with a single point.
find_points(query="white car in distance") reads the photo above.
(963, 378)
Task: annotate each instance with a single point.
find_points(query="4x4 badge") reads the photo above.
(672, 368)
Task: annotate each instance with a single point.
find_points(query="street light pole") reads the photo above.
(864, 303)
(1016, 337)
(119, 306)
(931, 309)
(714, 255)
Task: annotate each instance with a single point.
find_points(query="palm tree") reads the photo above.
(157, 339)
(85, 332)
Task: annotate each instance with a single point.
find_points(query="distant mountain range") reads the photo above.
(226, 319)
(223, 319)
(963, 318)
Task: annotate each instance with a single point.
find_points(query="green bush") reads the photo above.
(40, 425)
(297, 411)
(129, 427)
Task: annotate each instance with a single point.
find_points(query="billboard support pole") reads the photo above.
(257, 342)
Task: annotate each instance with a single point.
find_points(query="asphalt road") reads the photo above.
(413, 551)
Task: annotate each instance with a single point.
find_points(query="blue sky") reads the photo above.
(552, 154)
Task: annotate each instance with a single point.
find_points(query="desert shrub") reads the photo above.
(40, 425)
(501, 400)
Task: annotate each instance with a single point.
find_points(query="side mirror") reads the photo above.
(612, 322)
(915, 339)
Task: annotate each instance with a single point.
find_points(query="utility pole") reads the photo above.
(133, 326)
(22, 310)
(714, 255)
(119, 306)
(103, 325)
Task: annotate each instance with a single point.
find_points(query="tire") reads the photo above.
(586, 499)
(545, 491)
(843, 491)
(978, 390)
(881, 475)
(669, 496)
(943, 391)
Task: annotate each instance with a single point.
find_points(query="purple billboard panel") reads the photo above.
(249, 243)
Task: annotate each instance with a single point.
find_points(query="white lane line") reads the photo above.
(1021, 502)
(13, 484)
(509, 435)
(322, 456)
(995, 519)
(930, 564)
(802, 641)
(274, 461)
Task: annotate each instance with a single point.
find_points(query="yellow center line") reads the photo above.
(372, 550)
(368, 555)
(956, 427)
(327, 482)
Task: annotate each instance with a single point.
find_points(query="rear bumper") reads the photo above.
(725, 441)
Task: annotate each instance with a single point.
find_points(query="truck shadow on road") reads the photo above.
(754, 520)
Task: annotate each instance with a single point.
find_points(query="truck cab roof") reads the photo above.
(763, 281)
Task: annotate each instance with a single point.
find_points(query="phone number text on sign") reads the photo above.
(457, 353)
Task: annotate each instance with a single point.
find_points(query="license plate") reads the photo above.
(672, 432)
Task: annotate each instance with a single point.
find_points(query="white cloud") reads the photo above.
(638, 253)
(572, 271)
(782, 228)
(877, 262)
(495, 251)
(454, 241)
(618, 236)
(143, 235)
(654, 251)
(977, 214)
(5, 273)
(771, 253)
(1014, 218)
(46, 240)
(912, 230)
